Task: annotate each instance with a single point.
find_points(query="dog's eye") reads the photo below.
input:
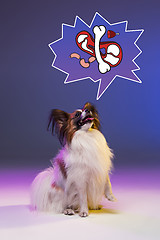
(77, 114)
(86, 110)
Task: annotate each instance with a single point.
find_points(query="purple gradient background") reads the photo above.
(30, 87)
(129, 112)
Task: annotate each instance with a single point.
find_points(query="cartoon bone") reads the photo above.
(99, 31)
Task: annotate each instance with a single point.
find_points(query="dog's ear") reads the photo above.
(58, 120)
(96, 124)
(92, 108)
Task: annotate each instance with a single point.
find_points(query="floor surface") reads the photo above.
(136, 214)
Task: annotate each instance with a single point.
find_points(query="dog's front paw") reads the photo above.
(111, 197)
(69, 211)
(96, 208)
(83, 214)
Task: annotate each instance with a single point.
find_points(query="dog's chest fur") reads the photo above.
(89, 150)
(88, 162)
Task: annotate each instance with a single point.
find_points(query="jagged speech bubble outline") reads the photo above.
(64, 46)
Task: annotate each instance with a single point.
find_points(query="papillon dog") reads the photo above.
(79, 177)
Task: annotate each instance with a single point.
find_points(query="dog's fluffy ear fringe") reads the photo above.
(57, 120)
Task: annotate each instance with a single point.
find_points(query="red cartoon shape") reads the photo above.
(110, 52)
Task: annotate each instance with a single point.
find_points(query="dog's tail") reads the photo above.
(45, 196)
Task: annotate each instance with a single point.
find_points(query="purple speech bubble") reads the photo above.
(101, 52)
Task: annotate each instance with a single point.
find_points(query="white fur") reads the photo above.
(43, 196)
(88, 164)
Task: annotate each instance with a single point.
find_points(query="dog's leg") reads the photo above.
(77, 189)
(108, 191)
(68, 208)
(83, 201)
(71, 198)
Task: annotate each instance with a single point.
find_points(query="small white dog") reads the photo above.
(80, 173)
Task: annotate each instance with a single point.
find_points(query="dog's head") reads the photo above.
(66, 124)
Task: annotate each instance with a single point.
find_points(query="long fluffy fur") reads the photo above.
(79, 176)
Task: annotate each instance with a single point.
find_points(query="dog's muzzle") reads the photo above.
(86, 117)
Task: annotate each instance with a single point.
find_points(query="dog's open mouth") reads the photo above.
(87, 119)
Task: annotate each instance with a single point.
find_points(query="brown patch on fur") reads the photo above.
(54, 185)
(62, 167)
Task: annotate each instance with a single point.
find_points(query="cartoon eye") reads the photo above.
(77, 114)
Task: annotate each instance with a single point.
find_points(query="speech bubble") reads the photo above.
(100, 51)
